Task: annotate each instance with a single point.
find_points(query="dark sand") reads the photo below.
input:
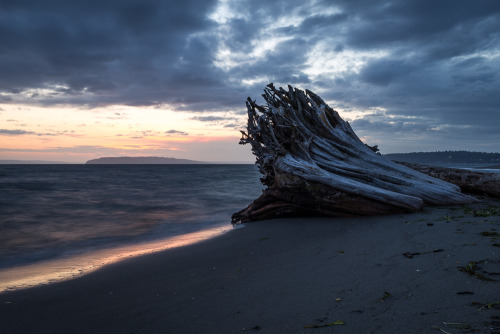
(282, 275)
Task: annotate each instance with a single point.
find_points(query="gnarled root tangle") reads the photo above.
(313, 163)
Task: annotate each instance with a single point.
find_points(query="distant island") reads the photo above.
(448, 158)
(141, 161)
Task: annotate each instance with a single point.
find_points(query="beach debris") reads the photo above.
(473, 268)
(441, 330)
(491, 211)
(335, 323)
(465, 293)
(458, 325)
(447, 218)
(314, 164)
(494, 235)
(490, 234)
(411, 255)
(468, 210)
(385, 296)
(486, 306)
(254, 328)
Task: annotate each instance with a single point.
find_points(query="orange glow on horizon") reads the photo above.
(77, 135)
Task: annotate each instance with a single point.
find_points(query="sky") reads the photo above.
(86, 79)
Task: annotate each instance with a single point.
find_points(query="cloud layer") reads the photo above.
(412, 67)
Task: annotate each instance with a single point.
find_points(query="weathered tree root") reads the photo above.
(314, 164)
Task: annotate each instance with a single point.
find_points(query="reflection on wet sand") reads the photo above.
(51, 271)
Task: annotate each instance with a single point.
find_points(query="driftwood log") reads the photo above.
(313, 163)
(469, 181)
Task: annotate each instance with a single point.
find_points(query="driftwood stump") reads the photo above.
(313, 163)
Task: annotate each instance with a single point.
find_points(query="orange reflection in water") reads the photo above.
(51, 271)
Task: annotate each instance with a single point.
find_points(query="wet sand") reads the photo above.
(74, 265)
(390, 274)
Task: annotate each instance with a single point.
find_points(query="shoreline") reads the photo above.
(73, 266)
(386, 274)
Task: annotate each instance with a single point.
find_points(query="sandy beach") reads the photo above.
(429, 272)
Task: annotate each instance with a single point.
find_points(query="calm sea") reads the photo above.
(52, 211)
(60, 221)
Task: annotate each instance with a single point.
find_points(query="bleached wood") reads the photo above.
(303, 147)
(469, 181)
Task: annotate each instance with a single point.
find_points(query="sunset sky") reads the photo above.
(86, 79)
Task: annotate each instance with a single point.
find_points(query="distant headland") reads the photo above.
(141, 161)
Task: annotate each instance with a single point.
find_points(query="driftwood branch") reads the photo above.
(469, 181)
(313, 163)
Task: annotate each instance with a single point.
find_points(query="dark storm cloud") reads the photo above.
(438, 61)
(120, 51)
(406, 23)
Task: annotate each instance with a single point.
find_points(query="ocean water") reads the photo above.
(63, 211)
